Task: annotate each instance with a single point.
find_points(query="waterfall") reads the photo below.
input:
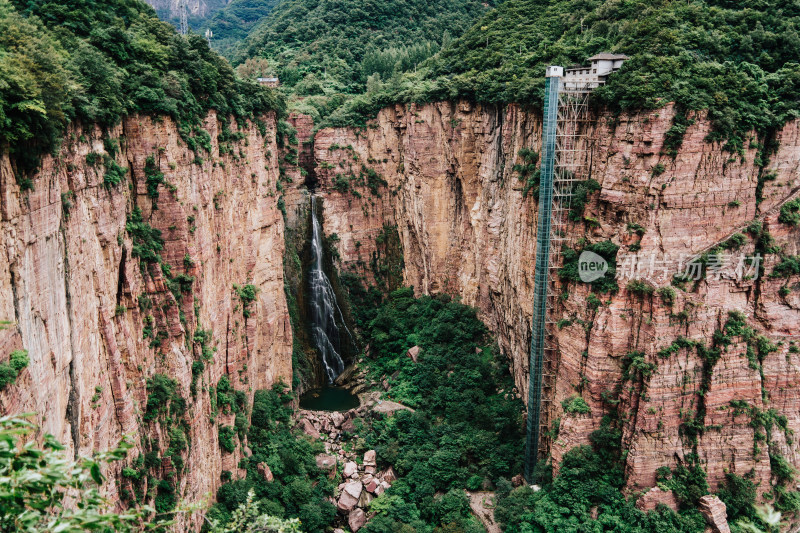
(324, 307)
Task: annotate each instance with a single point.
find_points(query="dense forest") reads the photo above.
(233, 23)
(326, 51)
(739, 60)
(94, 61)
(330, 40)
(198, 11)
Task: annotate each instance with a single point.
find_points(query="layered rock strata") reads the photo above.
(100, 322)
(450, 187)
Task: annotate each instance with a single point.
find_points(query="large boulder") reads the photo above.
(350, 468)
(337, 418)
(356, 519)
(413, 353)
(715, 513)
(348, 426)
(265, 472)
(350, 496)
(372, 485)
(325, 462)
(388, 475)
(308, 428)
(370, 462)
(365, 499)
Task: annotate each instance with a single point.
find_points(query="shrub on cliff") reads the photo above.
(790, 212)
(147, 241)
(739, 495)
(575, 404)
(9, 371)
(605, 249)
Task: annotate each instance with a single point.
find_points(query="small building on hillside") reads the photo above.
(269, 82)
(595, 74)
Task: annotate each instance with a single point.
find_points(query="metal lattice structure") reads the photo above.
(565, 163)
(183, 11)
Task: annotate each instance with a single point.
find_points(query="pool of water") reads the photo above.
(328, 399)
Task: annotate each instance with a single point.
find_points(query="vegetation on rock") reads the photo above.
(737, 60)
(299, 488)
(95, 61)
(322, 45)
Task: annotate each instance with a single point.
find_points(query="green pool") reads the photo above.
(328, 399)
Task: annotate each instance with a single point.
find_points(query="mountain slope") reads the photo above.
(739, 60)
(95, 61)
(331, 39)
(198, 11)
(232, 24)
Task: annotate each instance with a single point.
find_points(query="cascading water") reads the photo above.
(325, 310)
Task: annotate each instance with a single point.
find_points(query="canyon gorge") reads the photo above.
(454, 198)
(427, 196)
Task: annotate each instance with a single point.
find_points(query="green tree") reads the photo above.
(247, 518)
(41, 489)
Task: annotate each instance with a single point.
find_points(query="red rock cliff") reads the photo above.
(465, 227)
(97, 324)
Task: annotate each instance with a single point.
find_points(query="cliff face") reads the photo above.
(465, 227)
(99, 324)
(197, 8)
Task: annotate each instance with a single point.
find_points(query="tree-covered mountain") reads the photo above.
(738, 59)
(335, 45)
(197, 11)
(232, 24)
(94, 61)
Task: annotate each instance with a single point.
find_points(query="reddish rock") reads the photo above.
(388, 475)
(356, 519)
(350, 496)
(715, 513)
(326, 462)
(413, 353)
(350, 468)
(370, 457)
(365, 499)
(654, 497)
(518, 480)
(308, 428)
(265, 472)
(337, 419)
